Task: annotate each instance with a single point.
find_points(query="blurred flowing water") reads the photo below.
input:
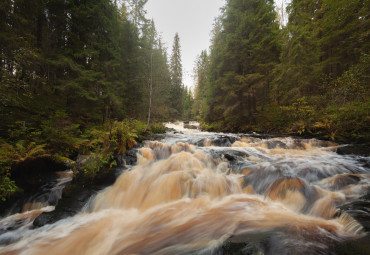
(197, 192)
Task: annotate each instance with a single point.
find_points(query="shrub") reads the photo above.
(7, 186)
(157, 128)
(115, 138)
(61, 135)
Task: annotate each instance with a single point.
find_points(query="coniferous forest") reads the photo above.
(309, 76)
(93, 77)
(81, 77)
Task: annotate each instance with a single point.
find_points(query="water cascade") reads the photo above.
(188, 196)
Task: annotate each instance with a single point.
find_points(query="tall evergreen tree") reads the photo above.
(176, 79)
(200, 105)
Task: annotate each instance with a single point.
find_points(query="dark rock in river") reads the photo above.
(72, 202)
(229, 154)
(29, 175)
(357, 149)
(130, 156)
(35, 179)
(75, 196)
(224, 141)
(354, 247)
(190, 126)
(359, 210)
(274, 144)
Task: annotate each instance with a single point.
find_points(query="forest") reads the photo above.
(93, 77)
(80, 77)
(307, 77)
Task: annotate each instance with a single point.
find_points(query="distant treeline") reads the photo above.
(308, 76)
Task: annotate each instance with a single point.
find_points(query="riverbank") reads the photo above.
(30, 154)
(344, 133)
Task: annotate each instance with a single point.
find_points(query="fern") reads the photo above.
(21, 152)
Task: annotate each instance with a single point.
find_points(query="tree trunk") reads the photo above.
(150, 90)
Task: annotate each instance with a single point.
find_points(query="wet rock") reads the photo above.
(297, 144)
(74, 199)
(13, 225)
(50, 218)
(29, 175)
(224, 141)
(341, 181)
(230, 155)
(35, 179)
(130, 156)
(199, 143)
(354, 149)
(275, 144)
(232, 248)
(170, 129)
(75, 196)
(354, 247)
(188, 126)
(120, 161)
(359, 210)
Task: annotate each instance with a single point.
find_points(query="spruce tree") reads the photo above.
(176, 80)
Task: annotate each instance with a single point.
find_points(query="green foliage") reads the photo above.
(351, 86)
(299, 113)
(96, 163)
(7, 186)
(115, 138)
(61, 135)
(21, 151)
(22, 131)
(352, 120)
(11, 155)
(215, 126)
(157, 128)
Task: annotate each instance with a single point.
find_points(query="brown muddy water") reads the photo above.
(194, 191)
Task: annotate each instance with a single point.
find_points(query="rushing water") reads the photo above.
(193, 191)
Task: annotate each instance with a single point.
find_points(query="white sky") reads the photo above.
(192, 19)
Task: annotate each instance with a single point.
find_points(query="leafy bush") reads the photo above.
(61, 135)
(115, 138)
(157, 128)
(214, 126)
(300, 113)
(14, 154)
(7, 186)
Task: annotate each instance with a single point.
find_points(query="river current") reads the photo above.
(195, 192)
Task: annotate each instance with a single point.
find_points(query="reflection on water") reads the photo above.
(188, 196)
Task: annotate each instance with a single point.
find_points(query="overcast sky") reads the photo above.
(192, 19)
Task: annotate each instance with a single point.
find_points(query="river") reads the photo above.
(195, 192)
